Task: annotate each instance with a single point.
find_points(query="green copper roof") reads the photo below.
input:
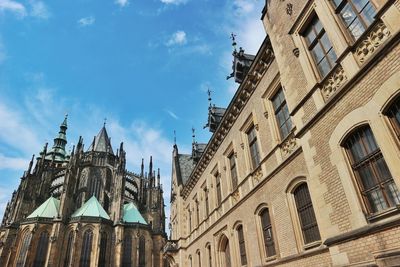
(132, 214)
(91, 208)
(49, 209)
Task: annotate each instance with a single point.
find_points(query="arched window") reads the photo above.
(190, 261)
(26, 240)
(142, 251)
(127, 253)
(41, 251)
(103, 250)
(393, 113)
(267, 232)
(373, 177)
(305, 211)
(86, 248)
(209, 256)
(199, 258)
(94, 187)
(242, 245)
(68, 253)
(227, 253)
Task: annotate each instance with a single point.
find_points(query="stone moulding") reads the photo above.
(334, 81)
(371, 41)
(289, 145)
(257, 174)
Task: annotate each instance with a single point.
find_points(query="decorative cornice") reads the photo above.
(261, 63)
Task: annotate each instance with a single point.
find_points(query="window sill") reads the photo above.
(383, 214)
(312, 245)
(269, 259)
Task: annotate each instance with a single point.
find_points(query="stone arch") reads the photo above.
(224, 252)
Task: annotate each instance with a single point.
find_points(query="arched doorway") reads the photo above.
(225, 253)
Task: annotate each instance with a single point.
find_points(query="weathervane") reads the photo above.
(194, 135)
(174, 137)
(209, 96)
(105, 121)
(233, 38)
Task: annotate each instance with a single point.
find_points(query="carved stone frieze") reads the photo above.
(257, 175)
(377, 35)
(333, 82)
(236, 196)
(289, 145)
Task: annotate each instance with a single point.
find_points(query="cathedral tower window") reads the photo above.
(305, 211)
(356, 15)
(69, 251)
(41, 251)
(142, 251)
(103, 250)
(86, 248)
(373, 177)
(26, 240)
(127, 252)
(320, 46)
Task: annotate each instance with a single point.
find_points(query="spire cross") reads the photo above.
(105, 121)
(209, 96)
(233, 38)
(174, 137)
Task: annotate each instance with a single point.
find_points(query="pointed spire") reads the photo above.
(158, 177)
(58, 152)
(142, 168)
(194, 135)
(151, 166)
(101, 142)
(30, 164)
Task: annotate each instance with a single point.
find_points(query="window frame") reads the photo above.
(241, 244)
(218, 189)
(263, 230)
(255, 160)
(395, 125)
(370, 160)
(279, 89)
(233, 169)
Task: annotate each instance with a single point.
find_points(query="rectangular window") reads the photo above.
(190, 220)
(197, 213)
(319, 46)
(218, 187)
(282, 113)
(206, 202)
(253, 146)
(356, 15)
(232, 164)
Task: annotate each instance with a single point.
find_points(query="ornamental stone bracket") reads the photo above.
(257, 175)
(236, 196)
(171, 246)
(289, 145)
(334, 81)
(370, 43)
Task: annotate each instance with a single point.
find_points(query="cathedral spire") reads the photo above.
(58, 152)
(151, 166)
(142, 168)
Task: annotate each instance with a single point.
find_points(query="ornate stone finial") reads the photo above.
(105, 122)
(209, 96)
(194, 135)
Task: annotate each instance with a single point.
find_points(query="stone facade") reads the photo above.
(338, 219)
(96, 214)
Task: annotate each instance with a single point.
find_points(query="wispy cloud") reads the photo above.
(177, 38)
(174, 2)
(172, 114)
(13, 7)
(39, 10)
(86, 21)
(13, 163)
(122, 3)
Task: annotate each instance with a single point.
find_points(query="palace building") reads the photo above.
(303, 166)
(84, 209)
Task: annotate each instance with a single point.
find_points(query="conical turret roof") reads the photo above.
(91, 208)
(58, 150)
(49, 209)
(101, 143)
(132, 214)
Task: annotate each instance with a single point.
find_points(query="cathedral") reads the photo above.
(84, 208)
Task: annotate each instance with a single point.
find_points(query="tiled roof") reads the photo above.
(101, 142)
(91, 208)
(132, 214)
(186, 166)
(49, 209)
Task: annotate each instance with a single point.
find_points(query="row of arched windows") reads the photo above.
(128, 251)
(41, 249)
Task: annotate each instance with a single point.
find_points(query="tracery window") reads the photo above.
(305, 211)
(142, 251)
(94, 187)
(320, 46)
(267, 233)
(26, 240)
(373, 177)
(356, 15)
(127, 252)
(86, 248)
(253, 146)
(41, 251)
(68, 253)
(282, 114)
(103, 250)
(242, 245)
(232, 165)
(393, 113)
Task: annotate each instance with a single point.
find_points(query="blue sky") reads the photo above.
(145, 65)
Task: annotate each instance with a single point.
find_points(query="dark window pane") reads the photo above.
(324, 67)
(317, 53)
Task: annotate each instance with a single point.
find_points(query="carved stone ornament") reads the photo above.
(257, 175)
(289, 145)
(296, 52)
(242, 145)
(266, 114)
(235, 196)
(333, 82)
(377, 35)
(289, 9)
(53, 238)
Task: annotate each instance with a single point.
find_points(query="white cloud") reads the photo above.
(13, 163)
(122, 3)
(174, 2)
(243, 7)
(39, 10)
(86, 21)
(177, 38)
(13, 6)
